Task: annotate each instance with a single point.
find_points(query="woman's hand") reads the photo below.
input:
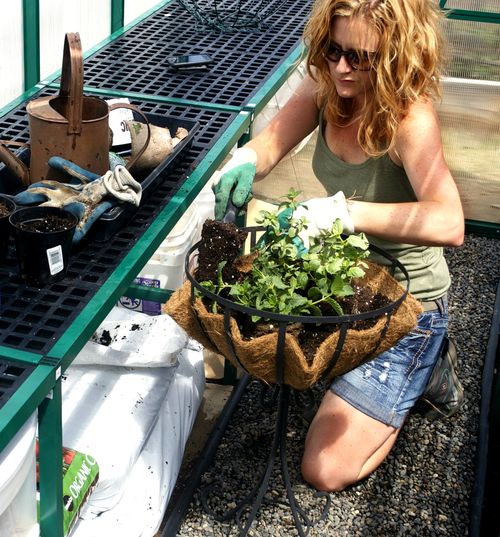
(236, 181)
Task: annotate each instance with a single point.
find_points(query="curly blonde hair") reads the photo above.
(408, 63)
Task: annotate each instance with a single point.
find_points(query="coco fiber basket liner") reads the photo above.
(343, 350)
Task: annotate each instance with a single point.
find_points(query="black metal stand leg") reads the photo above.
(255, 498)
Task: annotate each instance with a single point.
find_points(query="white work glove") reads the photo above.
(321, 213)
(235, 183)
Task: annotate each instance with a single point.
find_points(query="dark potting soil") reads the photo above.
(104, 338)
(47, 224)
(224, 241)
(4, 210)
(220, 241)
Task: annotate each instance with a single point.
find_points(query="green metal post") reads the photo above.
(484, 229)
(31, 40)
(117, 15)
(50, 450)
(476, 16)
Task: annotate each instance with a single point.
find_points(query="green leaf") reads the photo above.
(314, 293)
(358, 241)
(302, 280)
(334, 305)
(314, 310)
(278, 282)
(297, 301)
(337, 227)
(324, 285)
(339, 287)
(334, 266)
(356, 272)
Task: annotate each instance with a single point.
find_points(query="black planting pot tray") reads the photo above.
(115, 218)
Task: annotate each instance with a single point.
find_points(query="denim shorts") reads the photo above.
(387, 387)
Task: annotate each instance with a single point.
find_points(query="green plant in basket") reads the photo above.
(287, 278)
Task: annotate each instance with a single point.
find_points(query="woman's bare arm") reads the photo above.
(437, 217)
(297, 119)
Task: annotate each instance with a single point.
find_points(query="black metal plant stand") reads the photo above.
(282, 394)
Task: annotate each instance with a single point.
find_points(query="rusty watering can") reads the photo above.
(68, 125)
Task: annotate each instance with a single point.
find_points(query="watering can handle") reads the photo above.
(13, 162)
(72, 81)
(131, 162)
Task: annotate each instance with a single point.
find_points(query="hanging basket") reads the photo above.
(230, 16)
(277, 357)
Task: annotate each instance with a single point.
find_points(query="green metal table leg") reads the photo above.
(50, 454)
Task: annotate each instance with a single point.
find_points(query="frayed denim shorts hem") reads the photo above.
(387, 387)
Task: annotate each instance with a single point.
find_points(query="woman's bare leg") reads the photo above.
(343, 445)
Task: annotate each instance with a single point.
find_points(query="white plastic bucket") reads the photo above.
(205, 203)
(167, 263)
(18, 516)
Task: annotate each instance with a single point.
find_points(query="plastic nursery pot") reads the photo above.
(7, 207)
(43, 237)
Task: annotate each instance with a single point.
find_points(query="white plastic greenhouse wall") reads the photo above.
(91, 18)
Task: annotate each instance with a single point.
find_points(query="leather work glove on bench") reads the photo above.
(87, 195)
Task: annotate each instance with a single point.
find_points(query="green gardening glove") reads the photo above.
(284, 217)
(236, 181)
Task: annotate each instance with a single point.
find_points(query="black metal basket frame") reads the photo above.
(344, 321)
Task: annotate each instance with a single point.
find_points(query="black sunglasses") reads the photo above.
(361, 60)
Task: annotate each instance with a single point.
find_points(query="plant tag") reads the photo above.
(55, 258)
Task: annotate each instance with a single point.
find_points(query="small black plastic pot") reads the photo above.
(4, 224)
(43, 237)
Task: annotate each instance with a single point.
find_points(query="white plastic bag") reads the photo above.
(132, 339)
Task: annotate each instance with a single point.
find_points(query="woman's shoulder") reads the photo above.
(419, 127)
(421, 119)
(420, 113)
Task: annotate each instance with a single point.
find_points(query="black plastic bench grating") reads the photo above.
(136, 61)
(33, 319)
(12, 375)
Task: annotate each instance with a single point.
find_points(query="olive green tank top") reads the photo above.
(381, 180)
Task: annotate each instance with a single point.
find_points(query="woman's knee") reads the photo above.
(325, 475)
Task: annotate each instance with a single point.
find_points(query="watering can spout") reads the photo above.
(15, 164)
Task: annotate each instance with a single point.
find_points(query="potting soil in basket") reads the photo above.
(258, 355)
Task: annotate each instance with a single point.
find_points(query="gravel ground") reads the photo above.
(424, 486)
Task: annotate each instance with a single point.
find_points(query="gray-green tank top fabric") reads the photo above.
(381, 180)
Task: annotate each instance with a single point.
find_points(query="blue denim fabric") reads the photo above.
(387, 387)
